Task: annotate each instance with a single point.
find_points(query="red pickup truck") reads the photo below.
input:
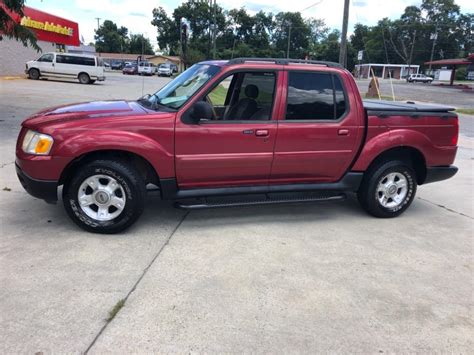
(238, 132)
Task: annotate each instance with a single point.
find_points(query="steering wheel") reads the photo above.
(214, 114)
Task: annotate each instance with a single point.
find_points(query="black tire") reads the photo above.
(129, 181)
(34, 74)
(368, 195)
(84, 78)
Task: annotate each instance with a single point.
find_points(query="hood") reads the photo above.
(96, 109)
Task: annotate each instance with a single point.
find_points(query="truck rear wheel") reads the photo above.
(388, 189)
(84, 78)
(105, 196)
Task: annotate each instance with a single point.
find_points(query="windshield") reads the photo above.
(177, 92)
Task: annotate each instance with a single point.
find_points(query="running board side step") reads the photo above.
(206, 204)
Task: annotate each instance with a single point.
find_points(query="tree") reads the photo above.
(111, 39)
(299, 37)
(10, 12)
(140, 45)
(328, 48)
(168, 32)
(465, 33)
(402, 33)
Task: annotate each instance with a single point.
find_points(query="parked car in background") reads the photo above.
(419, 78)
(283, 130)
(86, 68)
(174, 68)
(130, 69)
(145, 68)
(117, 65)
(165, 70)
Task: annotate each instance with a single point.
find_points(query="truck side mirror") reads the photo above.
(201, 111)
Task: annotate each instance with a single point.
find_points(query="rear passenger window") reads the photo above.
(315, 96)
(69, 59)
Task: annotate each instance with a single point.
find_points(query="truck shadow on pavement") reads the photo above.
(52, 219)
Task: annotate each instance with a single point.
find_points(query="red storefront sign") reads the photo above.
(48, 27)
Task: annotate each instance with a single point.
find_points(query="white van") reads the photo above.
(145, 68)
(86, 68)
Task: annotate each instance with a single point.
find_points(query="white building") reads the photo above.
(385, 71)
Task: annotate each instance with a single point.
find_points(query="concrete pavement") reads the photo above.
(295, 278)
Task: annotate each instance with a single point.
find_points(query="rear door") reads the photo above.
(65, 66)
(236, 147)
(321, 131)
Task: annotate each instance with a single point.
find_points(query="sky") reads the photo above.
(136, 15)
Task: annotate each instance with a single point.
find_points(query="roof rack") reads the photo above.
(283, 61)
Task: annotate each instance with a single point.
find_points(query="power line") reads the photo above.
(310, 6)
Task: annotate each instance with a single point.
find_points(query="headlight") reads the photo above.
(37, 143)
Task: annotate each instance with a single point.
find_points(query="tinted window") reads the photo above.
(69, 59)
(314, 96)
(339, 97)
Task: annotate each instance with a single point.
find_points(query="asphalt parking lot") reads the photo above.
(294, 278)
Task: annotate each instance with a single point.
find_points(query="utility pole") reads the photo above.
(435, 38)
(411, 52)
(214, 29)
(98, 22)
(343, 49)
(289, 39)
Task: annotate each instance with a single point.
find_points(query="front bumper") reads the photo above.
(44, 189)
(439, 173)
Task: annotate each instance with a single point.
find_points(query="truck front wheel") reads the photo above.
(388, 189)
(105, 196)
(34, 74)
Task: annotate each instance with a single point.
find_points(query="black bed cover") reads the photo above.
(409, 106)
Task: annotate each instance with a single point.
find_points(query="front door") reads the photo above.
(235, 147)
(46, 64)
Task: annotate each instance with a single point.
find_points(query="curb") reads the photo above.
(11, 77)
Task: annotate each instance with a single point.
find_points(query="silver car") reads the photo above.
(165, 70)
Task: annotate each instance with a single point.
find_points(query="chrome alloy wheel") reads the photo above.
(392, 190)
(101, 197)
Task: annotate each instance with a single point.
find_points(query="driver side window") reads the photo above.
(48, 58)
(245, 96)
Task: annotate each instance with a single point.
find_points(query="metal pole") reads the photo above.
(289, 38)
(98, 23)
(433, 47)
(214, 32)
(411, 52)
(343, 49)
(233, 48)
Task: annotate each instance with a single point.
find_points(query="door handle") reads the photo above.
(343, 132)
(261, 132)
